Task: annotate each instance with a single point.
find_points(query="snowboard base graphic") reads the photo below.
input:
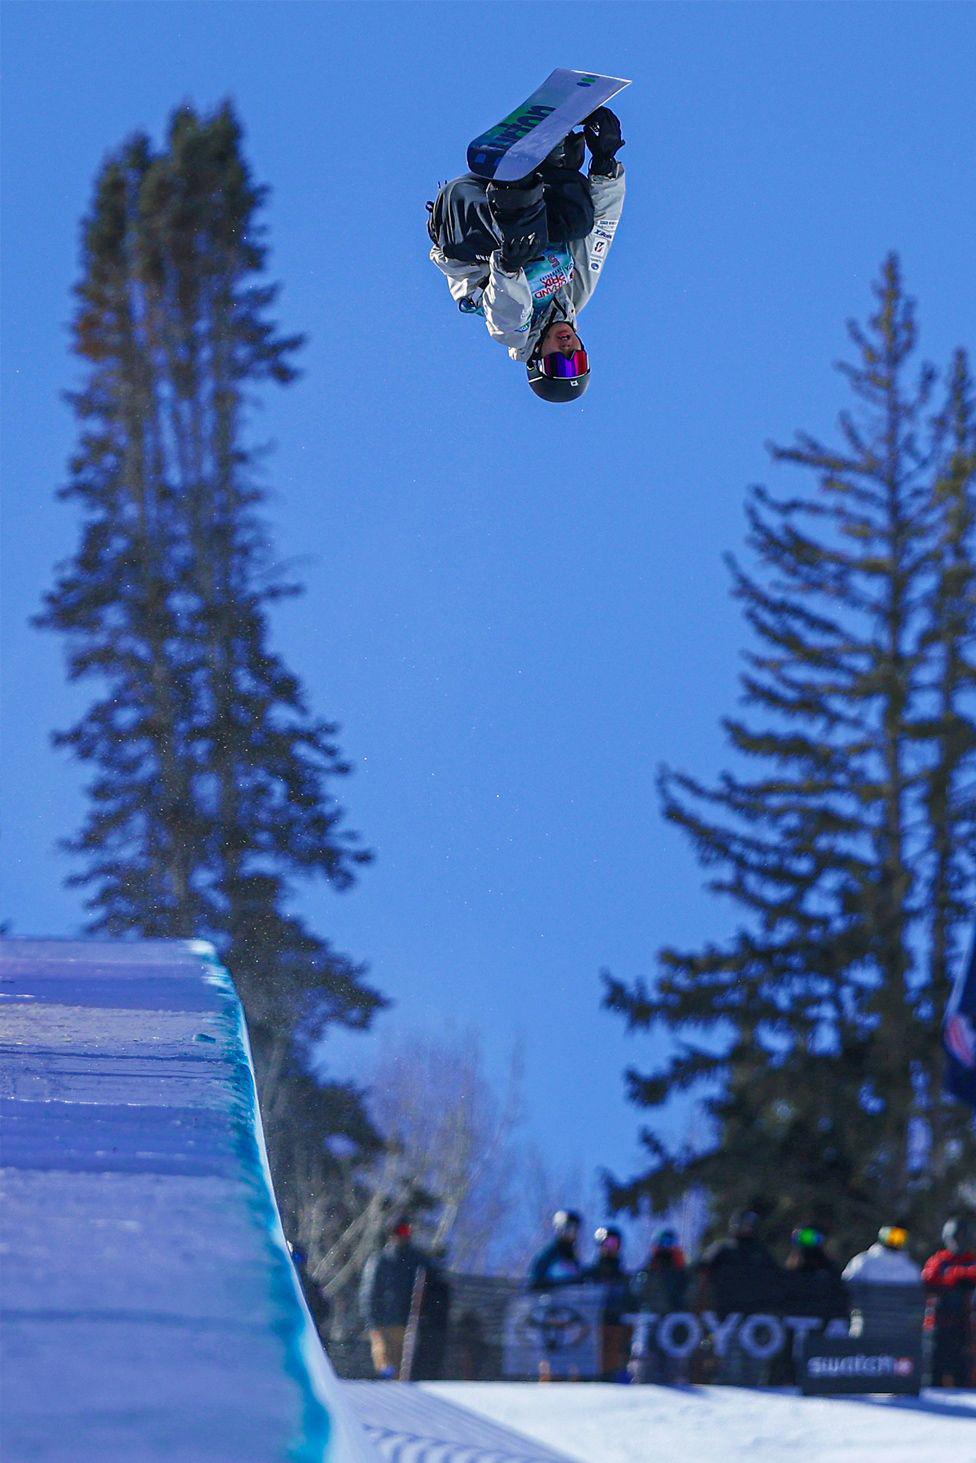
(517, 145)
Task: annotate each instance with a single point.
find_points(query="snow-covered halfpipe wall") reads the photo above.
(149, 1305)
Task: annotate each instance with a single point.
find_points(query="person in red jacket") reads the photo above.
(950, 1277)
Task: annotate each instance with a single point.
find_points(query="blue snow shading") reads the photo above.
(150, 1308)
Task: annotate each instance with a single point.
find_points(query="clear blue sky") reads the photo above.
(515, 612)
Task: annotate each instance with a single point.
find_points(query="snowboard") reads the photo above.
(517, 145)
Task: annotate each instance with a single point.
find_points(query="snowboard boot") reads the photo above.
(519, 201)
(509, 199)
(518, 209)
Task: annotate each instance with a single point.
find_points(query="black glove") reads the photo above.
(602, 132)
(515, 254)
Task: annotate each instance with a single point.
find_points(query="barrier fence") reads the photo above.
(495, 1330)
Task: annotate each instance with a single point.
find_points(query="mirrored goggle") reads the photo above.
(564, 368)
(807, 1236)
(894, 1236)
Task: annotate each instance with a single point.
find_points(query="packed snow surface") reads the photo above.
(601, 1423)
(149, 1305)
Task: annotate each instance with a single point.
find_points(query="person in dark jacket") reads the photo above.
(950, 1278)
(608, 1270)
(559, 1263)
(812, 1283)
(738, 1274)
(385, 1294)
(607, 1267)
(661, 1287)
(435, 1322)
(812, 1286)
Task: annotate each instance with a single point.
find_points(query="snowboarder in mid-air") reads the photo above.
(527, 255)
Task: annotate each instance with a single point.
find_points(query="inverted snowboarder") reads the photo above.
(526, 255)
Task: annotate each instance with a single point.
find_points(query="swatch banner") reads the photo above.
(959, 1034)
(857, 1366)
(557, 1332)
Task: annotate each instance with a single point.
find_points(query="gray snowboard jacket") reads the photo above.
(515, 314)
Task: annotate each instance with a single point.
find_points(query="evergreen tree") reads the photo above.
(849, 854)
(211, 788)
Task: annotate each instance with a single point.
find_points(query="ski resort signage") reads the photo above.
(556, 1333)
(559, 1333)
(679, 1334)
(850, 1365)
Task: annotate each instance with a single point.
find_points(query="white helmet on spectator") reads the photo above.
(566, 1222)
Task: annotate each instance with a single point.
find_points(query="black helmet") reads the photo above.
(566, 1219)
(567, 388)
(556, 388)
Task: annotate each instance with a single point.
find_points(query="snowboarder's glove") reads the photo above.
(515, 254)
(602, 132)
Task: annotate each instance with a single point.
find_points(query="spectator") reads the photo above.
(315, 1298)
(432, 1341)
(886, 1262)
(812, 1286)
(608, 1270)
(661, 1287)
(385, 1294)
(608, 1267)
(558, 1264)
(884, 1286)
(738, 1274)
(950, 1276)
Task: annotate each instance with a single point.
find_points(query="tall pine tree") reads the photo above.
(849, 852)
(212, 782)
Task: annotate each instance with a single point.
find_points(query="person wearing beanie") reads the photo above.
(661, 1286)
(662, 1282)
(385, 1294)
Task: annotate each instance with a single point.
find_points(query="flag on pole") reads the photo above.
(959, 1033)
